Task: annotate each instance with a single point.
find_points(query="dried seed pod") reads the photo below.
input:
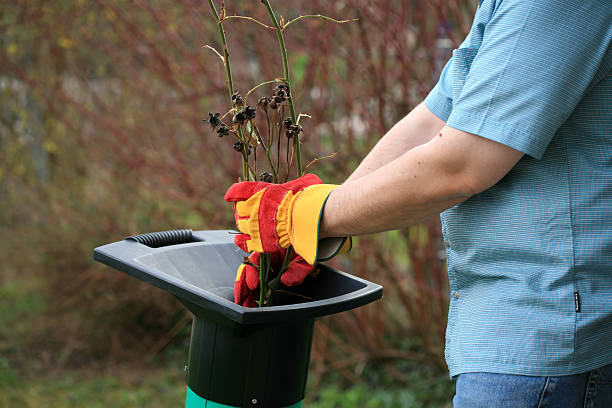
(287, 123)
(263, 102)
(213, 120)
(244, 114)
(273, 104)
(238, 146)
(239, 117)
(249, 112)
(237, 99)
(278, 100)
(293, 130)
(267, 177)
(282, 90)
(223, 130)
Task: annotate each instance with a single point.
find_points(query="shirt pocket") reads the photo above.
(462, 61)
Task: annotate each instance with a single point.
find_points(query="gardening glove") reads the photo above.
(243, 294)
(246, 287)
(271, 217)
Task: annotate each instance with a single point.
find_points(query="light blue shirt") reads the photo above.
(530, 259)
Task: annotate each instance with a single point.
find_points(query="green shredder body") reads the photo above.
(238, 356)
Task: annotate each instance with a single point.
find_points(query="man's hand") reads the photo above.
(271, 217)
(246, 287)
(261, 212)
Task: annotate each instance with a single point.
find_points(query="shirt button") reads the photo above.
(456, 295)
(447, 243)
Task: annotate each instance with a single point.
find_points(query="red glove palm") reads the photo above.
(246, 287)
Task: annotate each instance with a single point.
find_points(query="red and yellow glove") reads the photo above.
(271, 217)
(246, 287)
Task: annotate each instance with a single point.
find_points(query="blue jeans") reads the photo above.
(592, 389)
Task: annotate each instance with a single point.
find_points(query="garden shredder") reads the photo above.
(238, 356)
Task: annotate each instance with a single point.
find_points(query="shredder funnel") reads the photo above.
(238, 356)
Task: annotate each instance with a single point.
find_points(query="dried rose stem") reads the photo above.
(281, 41)
(264, 260)
(246, 173)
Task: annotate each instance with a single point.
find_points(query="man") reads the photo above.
(514, 145)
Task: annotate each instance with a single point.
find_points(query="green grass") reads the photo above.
(68, 390)
(364, 397)
(422, 390)
(161, 387)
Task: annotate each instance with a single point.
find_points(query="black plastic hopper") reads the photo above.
(236, 353)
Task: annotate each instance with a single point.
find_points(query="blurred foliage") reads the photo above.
(101, 137)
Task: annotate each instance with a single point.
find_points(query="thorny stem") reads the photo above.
(226, 60)
(281, 41)
(230, 85)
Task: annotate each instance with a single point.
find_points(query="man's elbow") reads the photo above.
(462, 186)
(474, 181)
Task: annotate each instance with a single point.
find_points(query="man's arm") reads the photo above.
(416, 128)
(421, 182)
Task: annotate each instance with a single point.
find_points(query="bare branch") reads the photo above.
(216, 52)
(260, 85)
(331, 156)
(300, 116)
(333, 20)
(251, 19)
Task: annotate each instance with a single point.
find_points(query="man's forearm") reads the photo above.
(422, 182)
(416, 128)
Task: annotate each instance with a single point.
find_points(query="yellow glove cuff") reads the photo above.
(282, 219)
(304, 221)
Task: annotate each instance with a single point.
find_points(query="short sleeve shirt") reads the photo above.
(530, 259)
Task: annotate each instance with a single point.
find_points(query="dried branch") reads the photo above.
(260, 85)
(316, 159)
(216, 52)
(333, 20)
(250, 19)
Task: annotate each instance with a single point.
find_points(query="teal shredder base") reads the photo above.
(195, 401)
